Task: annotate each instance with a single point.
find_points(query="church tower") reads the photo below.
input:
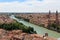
(57, 20)
(49, 21)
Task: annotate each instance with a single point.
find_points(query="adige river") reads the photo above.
(38, 29)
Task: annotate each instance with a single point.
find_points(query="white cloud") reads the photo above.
(30, 6)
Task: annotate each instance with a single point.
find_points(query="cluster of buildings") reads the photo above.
(5, 19)
(42, 18)
(20, 35)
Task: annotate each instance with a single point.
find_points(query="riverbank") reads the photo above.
(39, 30)
(13, 30)
(43, 20)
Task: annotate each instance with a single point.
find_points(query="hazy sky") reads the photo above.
(29, 5)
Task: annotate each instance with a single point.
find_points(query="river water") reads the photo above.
(38, 29)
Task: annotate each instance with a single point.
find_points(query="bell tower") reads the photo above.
(49, 21)
(57, 20)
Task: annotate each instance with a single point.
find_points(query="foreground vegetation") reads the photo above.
(17, 26)
(54, 27)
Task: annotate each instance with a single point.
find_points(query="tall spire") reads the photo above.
(49, 14)
(57, 20)
(49, 21)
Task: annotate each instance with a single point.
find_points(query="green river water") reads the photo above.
(38, 29)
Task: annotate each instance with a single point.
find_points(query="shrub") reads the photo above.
(17, 26)
(54, 27)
